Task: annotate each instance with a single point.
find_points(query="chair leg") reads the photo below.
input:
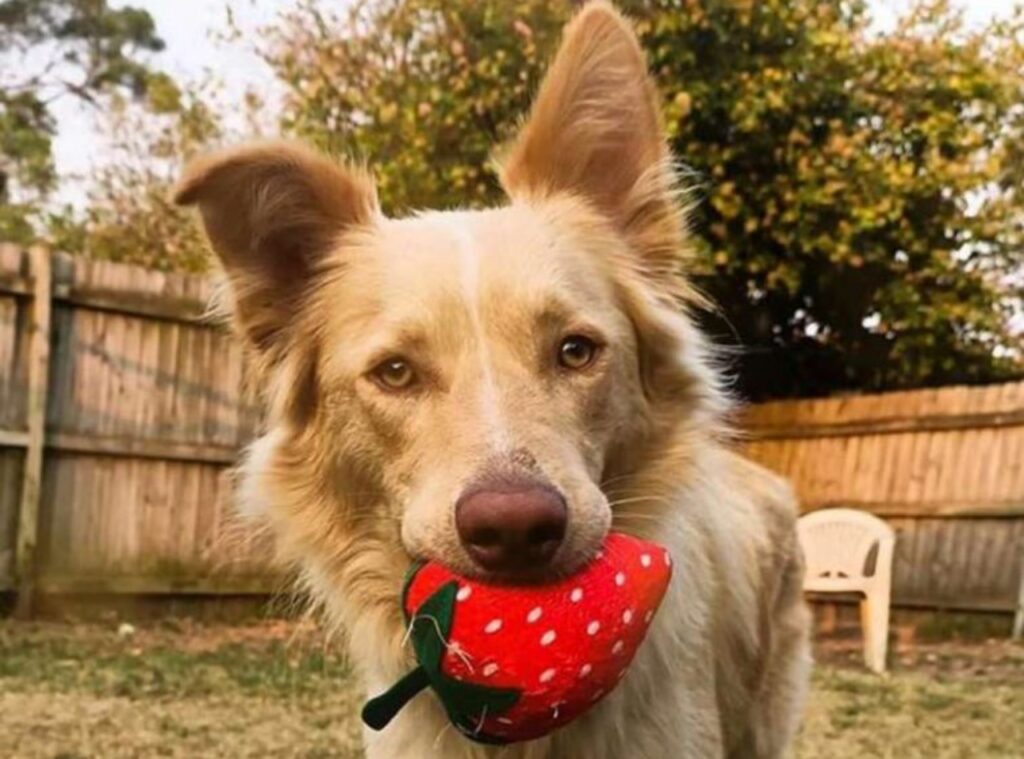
(874, 617)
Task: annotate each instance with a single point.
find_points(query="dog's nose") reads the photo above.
(512, 529)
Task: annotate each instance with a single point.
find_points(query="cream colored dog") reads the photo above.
(496, 390)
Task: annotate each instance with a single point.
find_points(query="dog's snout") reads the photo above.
(512, 528)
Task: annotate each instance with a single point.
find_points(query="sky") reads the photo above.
(185, 26)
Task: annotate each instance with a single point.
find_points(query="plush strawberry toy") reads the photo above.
(513, 663)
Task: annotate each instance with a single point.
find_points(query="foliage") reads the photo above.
(50, 49)
(129, 216)
(858, 213)
(423, 88)
(859, 193)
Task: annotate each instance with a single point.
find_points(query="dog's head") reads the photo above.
(466, 386)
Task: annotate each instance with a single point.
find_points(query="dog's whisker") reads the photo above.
(646, 493)
(440, 735)
(618, 478)
(639, 499)
(373, 514)
(626, 524)
(408, 632)
(627, 518)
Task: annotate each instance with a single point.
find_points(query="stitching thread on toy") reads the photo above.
(480, 723)
(457, 650)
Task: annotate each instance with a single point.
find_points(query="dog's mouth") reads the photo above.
(555, 571)
(530, 575)
(552, 556)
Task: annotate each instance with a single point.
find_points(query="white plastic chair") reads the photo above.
(837, 545)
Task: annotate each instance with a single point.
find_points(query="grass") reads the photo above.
(269, 671)
(274, 689)
(912, 715)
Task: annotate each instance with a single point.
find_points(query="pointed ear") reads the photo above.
(272, 210)
(595, 132)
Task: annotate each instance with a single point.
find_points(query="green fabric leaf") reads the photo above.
(467, 700)
(431, 627)
(466, 703)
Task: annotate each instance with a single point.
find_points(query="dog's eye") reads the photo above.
(394, 374)
(577, 352)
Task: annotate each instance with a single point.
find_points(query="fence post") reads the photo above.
(35, 423)
(1018, 618)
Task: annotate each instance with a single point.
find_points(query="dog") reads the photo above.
(496, 390)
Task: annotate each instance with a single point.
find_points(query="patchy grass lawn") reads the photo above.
(954, 702)
(275, 689)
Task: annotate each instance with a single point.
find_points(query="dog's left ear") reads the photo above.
(273, 211)
(595, 132)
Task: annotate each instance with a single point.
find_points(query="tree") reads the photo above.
(857, 204)
(424, 88)
(51, 49)
(129, 216)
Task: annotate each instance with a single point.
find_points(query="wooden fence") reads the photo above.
(945, 467)
(122, 409)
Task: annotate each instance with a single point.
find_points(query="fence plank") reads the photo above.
(887, 425)
(32, 470)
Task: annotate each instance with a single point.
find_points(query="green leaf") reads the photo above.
(431, 628)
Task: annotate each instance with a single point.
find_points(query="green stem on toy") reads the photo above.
(379, 711)
(429, 629)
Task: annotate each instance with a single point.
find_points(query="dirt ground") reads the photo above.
(177, 689)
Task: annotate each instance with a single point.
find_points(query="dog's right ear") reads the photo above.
(272, 211)
(595, 132)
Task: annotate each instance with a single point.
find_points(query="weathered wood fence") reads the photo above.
(122, 408)
(945, 467)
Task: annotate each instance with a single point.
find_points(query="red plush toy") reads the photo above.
(512, 663)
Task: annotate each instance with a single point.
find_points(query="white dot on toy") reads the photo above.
(576, 596)
(548, 638)
(534, 614)
(593, 627)
(493, 626)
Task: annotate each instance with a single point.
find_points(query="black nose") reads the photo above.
(512, 528)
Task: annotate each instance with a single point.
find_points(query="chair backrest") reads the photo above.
(837, 544)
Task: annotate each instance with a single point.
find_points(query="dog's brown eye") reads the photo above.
(394, 374)
(576, 352)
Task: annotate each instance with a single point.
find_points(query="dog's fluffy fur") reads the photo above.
(357, 478)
